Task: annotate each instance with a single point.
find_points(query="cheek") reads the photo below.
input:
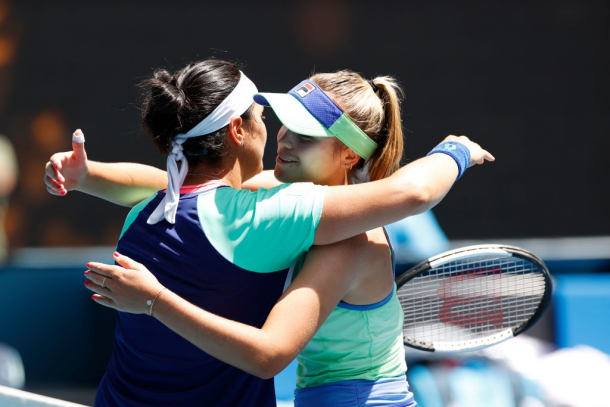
(322, 153)
(317, 162)
(261, 137)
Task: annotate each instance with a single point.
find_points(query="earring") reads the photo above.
(350, 168)
(242, 143)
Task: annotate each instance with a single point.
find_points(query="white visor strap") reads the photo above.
(234, 105)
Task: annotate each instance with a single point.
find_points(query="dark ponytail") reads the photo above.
(175, 103)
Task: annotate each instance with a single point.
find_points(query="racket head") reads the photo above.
(472, 297)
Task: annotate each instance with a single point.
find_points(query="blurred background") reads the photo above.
(529, 81)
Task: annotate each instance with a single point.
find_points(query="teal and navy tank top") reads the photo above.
(228, 253)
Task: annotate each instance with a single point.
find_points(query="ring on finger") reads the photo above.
(104, 282)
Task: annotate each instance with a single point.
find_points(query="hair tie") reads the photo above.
(375, 88)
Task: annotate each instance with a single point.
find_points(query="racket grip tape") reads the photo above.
(458, 151)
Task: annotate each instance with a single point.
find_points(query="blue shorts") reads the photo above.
(389, 392)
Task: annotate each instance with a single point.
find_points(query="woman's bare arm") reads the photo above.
(329, 272)
(121, 183)
(348, 210)
(415, 188)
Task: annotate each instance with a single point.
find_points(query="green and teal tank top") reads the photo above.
(355, 342)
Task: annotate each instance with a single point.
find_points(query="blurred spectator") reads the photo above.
(8, 180)
(11, 368)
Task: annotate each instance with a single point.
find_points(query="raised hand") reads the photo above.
(67, 171)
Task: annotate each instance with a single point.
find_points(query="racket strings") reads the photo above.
(471, 299)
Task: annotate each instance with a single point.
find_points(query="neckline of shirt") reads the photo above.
(206, 186)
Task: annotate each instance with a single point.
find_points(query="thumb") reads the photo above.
(126, 262)
(78, 145)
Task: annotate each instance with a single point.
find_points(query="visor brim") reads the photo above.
(293, 114)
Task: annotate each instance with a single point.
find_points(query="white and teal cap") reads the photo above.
(309, 111)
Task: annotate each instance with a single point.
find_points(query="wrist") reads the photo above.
(85, 179)
(150, 304)
(458, 151)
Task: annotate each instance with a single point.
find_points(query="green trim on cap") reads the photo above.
(352, 136)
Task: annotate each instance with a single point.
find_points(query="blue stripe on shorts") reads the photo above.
(388, 391)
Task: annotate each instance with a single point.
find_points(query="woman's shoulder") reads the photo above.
(299, 189)
(370, 243)
(246, 226)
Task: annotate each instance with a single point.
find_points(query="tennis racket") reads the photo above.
(473, 297)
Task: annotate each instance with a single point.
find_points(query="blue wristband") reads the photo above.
(458, 151)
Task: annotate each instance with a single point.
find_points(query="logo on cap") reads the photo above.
(305, 89)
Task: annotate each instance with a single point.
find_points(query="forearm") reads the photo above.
(264, 352)
(250, 349)
(423, 183)
(122, 183)
(291, 324)
(413, 189)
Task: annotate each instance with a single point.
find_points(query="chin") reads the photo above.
(279, 174)
(285, 177)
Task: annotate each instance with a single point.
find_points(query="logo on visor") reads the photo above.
(305, 89)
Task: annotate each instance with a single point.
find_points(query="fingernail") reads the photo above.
(93, 296)
(88, 265)
(86, 283)
(63, 192)
(116, 254)
(87, 272)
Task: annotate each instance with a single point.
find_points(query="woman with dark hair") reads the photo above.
(219, 247)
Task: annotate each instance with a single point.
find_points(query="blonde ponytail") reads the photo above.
(386, 159)
(376, 112)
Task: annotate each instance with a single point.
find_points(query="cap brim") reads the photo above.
(293, 114)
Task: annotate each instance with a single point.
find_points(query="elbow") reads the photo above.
(266, 373)
(271, 366)
(421, 196)
(269, 370)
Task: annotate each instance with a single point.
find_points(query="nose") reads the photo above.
(283, 138)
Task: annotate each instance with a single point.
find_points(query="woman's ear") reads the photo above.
(350, 158)
(236, 131)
